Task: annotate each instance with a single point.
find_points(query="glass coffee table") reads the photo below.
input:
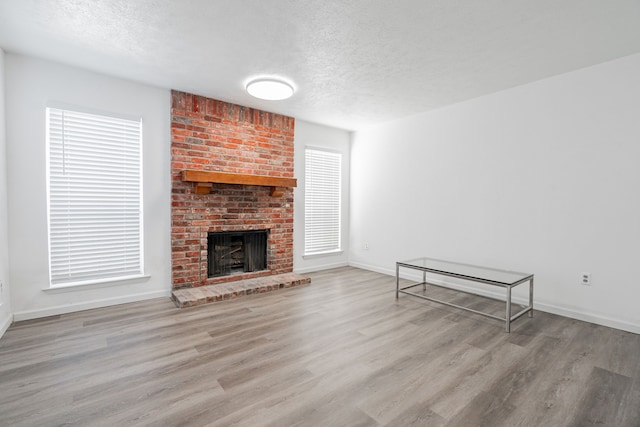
(490, 276)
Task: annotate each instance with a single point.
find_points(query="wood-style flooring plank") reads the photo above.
(602, 397)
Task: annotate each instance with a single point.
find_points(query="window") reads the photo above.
(323, 171)
(94, 197)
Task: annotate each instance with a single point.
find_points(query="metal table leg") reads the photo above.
(397, 280)
(508, 318)
(531, 297)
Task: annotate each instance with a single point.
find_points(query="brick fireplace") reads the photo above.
(216, 136)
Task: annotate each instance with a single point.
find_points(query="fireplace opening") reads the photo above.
(232, 252)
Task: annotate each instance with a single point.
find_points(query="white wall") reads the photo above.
(5, 297)
(30, 85)
(313, 135)
(541, 178)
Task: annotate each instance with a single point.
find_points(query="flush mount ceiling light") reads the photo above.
(270, 89)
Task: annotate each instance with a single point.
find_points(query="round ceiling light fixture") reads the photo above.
(270, 89)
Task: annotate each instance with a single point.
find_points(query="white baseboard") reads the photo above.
(5, 322)
(598, 319)
(572, 313)
(320, 267)
(87, 305)
(387, 271)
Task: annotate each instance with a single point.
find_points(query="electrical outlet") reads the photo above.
(366, 246)
(585, 279)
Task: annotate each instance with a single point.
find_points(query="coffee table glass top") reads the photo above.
(473, 272)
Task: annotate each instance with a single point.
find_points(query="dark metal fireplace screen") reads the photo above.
(236, 252)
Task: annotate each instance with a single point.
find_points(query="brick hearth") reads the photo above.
(189, 297)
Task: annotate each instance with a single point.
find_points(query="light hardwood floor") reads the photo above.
(339, 352)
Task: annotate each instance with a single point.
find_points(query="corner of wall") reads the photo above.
(6, 315)
(5, 321)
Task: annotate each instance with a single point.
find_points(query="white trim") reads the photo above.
(63, 309)
(95, 111)
(5, 323)
(323, 254)
(321, 148)
(537, 305)
(386, 271)
(320, 267)
(588, 317)
(95, 284)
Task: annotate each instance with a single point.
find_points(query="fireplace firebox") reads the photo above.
(232, 252)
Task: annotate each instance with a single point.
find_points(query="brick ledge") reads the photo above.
(190, 297)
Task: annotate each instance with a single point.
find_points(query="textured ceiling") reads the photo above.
(353, 63)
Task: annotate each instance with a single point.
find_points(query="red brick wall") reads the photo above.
(212, 135)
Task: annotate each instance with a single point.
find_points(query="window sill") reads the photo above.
(96, 284)
(322, 254)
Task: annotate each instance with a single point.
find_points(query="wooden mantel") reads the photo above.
(204, 180)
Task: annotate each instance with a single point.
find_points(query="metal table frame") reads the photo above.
(508, 316)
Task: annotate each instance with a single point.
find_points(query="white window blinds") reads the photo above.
(94, 174)
(322, 201)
